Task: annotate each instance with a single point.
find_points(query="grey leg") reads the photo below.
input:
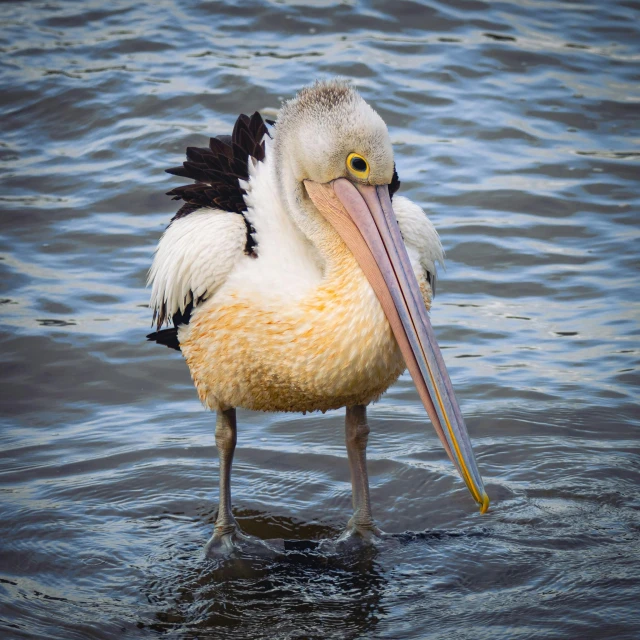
(226, 438)
(361, 524)
(226, 530)
(227, 538)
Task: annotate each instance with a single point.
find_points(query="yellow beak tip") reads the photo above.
(485, 503)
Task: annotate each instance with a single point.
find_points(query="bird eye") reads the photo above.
(358, 166)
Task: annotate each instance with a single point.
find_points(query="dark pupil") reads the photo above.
(358, 164)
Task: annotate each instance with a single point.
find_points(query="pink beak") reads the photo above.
(364, 218)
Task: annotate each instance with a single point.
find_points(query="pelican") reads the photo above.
(294, 283)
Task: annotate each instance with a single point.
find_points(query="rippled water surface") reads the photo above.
(516, 126)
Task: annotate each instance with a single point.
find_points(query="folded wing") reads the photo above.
(421, 238)
(194, 257)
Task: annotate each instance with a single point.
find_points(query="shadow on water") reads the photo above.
(302, 593)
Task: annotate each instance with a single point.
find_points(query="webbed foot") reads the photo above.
(355, 536)
(230, 541)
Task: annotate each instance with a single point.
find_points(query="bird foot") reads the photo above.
(359, 536)
(230, 541)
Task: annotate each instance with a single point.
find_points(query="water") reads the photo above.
(516, 125)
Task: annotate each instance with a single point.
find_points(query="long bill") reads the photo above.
(363, 217)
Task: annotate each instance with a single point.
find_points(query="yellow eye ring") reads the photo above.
(358, 166)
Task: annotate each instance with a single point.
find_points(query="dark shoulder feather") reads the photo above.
(395, 183)
(217, 169)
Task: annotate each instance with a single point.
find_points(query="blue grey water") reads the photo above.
(516, 126)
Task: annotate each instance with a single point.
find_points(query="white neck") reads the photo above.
(285, 256)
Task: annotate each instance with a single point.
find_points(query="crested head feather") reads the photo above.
(322, 96)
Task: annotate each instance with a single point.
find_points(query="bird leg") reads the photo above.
(361, 525)
(227, 537)
(226, 526)
(226, 438)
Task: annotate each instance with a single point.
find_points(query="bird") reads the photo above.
(297, 280)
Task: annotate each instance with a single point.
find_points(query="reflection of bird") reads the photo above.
(294, 284)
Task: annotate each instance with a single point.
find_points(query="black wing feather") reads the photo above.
(217, 169)
(166, 337)
(395, 183)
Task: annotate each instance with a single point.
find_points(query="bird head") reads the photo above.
(328, 132)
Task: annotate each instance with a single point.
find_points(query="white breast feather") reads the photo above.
(287, 263)
(420, 236)
(194, 257)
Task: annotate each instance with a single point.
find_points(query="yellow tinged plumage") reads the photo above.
(330, 349)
